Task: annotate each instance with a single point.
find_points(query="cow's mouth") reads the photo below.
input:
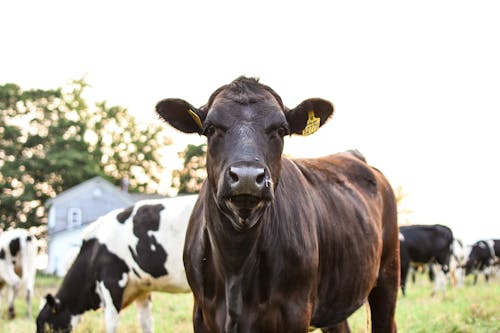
(244, 204)
(245, 210)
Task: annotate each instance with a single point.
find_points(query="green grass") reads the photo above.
(470, 309)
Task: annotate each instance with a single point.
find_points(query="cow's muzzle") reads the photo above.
(247, 180)
(246, 192)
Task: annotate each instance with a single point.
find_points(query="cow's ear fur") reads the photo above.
(299, 117)
(181, 115)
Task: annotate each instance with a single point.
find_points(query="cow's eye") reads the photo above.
(278, 131)
(209, 130)
(282, 131)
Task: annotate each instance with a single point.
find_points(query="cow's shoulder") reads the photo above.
(344, 169)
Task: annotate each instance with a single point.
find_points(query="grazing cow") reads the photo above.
(279, 245)
(483, 255)
(125, 255)
(425, 244)
(18, 250)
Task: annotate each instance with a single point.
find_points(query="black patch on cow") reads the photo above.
(28, 238)
(15, 246)
(2, 254)
(149, 254)
(125, 214)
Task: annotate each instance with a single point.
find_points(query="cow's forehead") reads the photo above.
(223, 106)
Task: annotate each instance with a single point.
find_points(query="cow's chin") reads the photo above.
(244, 211)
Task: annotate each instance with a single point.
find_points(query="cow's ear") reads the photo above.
(53, 302)
(181, 115)
(309, 115)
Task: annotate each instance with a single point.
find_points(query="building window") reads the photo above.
(74, 217)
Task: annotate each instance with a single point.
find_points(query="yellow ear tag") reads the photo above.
(312, 124)
(196, 118)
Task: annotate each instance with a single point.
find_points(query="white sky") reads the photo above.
(416, 85)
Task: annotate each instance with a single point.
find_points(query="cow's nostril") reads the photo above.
(234, 176)
(260, 179)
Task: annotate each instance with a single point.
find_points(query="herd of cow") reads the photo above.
(269, 245)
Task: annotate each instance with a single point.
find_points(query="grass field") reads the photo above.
(470, 309)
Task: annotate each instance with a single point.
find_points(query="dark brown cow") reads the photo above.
(279, 245)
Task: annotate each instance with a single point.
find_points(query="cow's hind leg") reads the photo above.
(342, 327)
(10, 300)
(144, 312)
(384, 295)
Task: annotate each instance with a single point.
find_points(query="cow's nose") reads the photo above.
(249, 180)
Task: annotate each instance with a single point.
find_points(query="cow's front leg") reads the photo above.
(144, 312)
(383, 296)
(111, 313)
(198, 321)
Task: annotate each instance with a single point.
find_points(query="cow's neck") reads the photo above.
(235, 248)
(77, 302)
(78, 288)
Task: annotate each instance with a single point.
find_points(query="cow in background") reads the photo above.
(426, 244)
(18, 250)
(457, 263)
(125, 255)
(277, 244)
(483, 256)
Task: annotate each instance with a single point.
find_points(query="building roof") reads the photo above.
(74, 192)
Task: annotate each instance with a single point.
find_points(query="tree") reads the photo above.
(402, 210)
(189, 179)
(50, 140)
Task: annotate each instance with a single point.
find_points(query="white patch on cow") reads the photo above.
(75, 319)
(401, 237)
(101, 297)
(123, 282)
(491, 248)
(110, 312)
(153, 247)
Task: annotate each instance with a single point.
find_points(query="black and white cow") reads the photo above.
(483, 255)
(18, 250)
(425, 244)
(125, 255)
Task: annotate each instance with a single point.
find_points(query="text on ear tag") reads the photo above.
(312, 124)
(196, 118)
